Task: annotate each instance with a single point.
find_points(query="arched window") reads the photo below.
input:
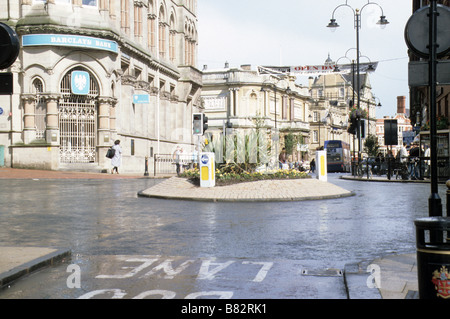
(124, 15)
(151, 27)
(78, 121)
(172, 35)
(40, 110)
(162, 32)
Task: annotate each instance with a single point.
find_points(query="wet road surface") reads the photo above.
(141, 247)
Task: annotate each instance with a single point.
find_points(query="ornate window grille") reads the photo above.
(78, 123)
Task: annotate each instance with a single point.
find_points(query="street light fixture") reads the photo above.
(383, 22)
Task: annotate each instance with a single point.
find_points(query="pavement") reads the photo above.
(388, 277)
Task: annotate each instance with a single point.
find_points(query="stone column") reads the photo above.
(52, 132)
(104, 135)
(29, 130)
(112, 118)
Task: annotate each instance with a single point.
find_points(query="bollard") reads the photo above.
(146, 166)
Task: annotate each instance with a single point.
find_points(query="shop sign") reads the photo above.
(69, 41)
(80, 82)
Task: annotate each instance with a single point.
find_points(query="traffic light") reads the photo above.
(205, 123)
(364, 128)
(197, 127)
(353, 126)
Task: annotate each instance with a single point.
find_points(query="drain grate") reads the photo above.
(328, 272)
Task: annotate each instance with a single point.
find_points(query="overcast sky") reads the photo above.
(294, 32)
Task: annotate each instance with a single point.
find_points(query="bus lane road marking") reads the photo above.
(158, 277)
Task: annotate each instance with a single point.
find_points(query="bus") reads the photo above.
(338, 156)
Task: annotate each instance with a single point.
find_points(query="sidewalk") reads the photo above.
(17, 173)
(17, 262)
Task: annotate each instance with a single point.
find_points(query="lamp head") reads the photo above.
(383, 22)
(333, 25)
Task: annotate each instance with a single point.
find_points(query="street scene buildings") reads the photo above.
(95, 77)
(93, 72)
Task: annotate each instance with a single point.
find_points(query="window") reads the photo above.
(92, 3)
(162, 33)
(172, 39)
(151, 40)
(315, 136)
(40, 110)
(316, 116)
(124, 20)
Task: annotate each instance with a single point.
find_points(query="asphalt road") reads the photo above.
(129, 247)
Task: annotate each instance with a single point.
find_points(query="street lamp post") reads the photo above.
(288, 91)
(333, 25)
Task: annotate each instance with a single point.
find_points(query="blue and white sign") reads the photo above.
(205, 159)
(69, 41)
(141, 99)
(1, 111)
(80, 82)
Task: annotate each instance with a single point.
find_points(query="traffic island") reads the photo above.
(177, 188)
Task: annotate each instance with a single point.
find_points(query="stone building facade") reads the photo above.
(333, 96)
(247, 100)
(94, 71)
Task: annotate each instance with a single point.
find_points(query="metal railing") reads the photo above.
(408, 168)
(165, 163)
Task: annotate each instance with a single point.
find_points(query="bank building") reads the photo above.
(94, 71)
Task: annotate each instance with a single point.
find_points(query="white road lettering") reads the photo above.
(206, 274)
(262, 273)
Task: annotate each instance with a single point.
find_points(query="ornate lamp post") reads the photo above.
(357, 15)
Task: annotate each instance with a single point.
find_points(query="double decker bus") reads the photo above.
(338, 156)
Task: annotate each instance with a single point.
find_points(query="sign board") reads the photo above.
(408, 137)
(80, 82)
(6, 83)
(69, 41)
(419, 76)
(141, 99)
(390, 132)
(417, 32)
(322, 165)
(207, 170)
(318, 69)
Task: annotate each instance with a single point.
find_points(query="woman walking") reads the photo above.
(117, 159)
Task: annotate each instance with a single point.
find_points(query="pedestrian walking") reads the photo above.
(413, 159)
(282, 159)
(116, 161)
(312, 165)
(177, 159)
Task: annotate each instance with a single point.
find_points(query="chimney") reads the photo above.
(401, 104)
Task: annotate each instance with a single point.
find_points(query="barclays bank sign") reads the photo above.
(69, 41)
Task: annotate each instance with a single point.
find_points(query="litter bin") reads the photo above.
(433, 257)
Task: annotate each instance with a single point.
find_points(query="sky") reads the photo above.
(294, 32)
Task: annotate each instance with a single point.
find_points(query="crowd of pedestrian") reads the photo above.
(410, 162)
